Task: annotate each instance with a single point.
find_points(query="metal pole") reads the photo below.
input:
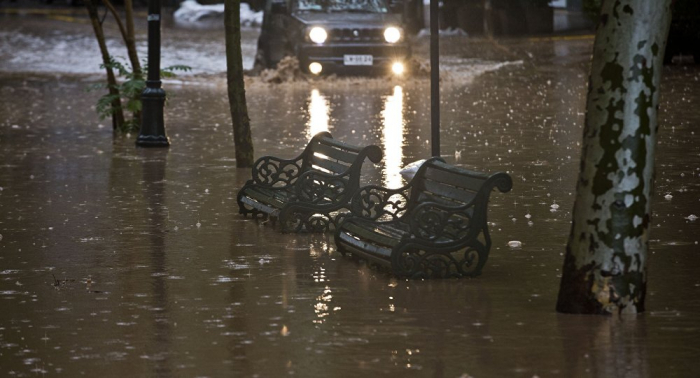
(434, 78)
(152, 133)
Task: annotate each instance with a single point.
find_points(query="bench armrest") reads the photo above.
(315, 186)
(431, 221)
(380, 204)
(276, 173)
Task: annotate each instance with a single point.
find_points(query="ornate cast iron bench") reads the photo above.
(309, 192)
(433, 227)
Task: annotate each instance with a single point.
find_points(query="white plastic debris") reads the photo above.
(515, 244)
(668, 196)
(411, 169)
(691, 217)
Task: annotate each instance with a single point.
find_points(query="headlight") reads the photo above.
(392, 34)
(318, 35)
(315, 68)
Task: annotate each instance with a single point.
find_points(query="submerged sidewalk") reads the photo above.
(120, 261)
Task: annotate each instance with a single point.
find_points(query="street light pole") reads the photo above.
(152, 133)
(434, 78)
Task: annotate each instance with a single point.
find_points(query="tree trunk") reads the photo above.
(129, 37)
(489, 24)
(130, 42)
(236, 88)
(605, 268)
(118, 113)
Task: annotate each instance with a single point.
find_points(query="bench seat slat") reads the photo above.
(376, 232)
(275, 198)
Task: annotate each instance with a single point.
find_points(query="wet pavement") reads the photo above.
(136, 261)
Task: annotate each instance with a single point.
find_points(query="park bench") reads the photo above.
(310, 192)
(435, 226)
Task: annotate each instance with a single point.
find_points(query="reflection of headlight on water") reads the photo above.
(318, 35)
(397, 68)
(315, 68)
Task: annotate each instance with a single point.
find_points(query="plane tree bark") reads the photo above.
(236, 87)
(605, 267)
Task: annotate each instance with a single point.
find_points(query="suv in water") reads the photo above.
(333, 36)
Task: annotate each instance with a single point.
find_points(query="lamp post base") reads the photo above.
(152, 133)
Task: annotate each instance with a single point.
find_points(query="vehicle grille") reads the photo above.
(357, 35)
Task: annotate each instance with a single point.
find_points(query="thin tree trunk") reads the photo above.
(127, 32)
(118, 113)
(605, 268)
(130, 42)
(236, 88)
(129, 37)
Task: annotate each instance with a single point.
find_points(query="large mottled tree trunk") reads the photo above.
(118, 115)
(605, 268)
(236, 88)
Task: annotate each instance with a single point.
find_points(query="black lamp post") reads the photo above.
(434, 78)
(152, 133)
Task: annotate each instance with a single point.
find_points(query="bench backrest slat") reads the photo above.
(336, 153)
(446, 185)
(327, 164)
(334, 157)
(463, 179)
(447, 194)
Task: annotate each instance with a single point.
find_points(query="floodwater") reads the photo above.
(122, 261)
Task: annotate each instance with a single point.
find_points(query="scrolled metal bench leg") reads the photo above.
(291, 221)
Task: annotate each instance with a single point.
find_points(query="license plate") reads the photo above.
(357, 60)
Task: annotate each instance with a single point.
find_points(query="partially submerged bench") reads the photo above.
(433, 227)
(310, 192)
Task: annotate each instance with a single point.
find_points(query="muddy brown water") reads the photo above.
(159, 276)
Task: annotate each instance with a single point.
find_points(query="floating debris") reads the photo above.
(284, 331)
(668, 197)
(515, 244)
(691, 217)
